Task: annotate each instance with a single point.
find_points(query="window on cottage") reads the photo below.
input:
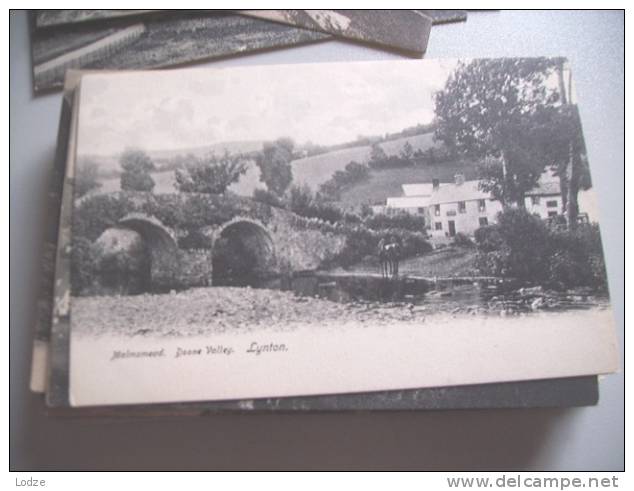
(484, 221)
(551, 203)
(552, 213)
(462, 207)
(438, 225)
(482, 205)
(535, 200)
(421, 210)
(437, 210)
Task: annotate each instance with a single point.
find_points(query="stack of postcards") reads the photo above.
(393, 235)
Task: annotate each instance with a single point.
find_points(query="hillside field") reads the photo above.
(317, 169)
(311, 171)
(385, 183)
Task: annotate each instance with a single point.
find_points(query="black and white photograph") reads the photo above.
(153, 40)
(50, 366)
(404, 30)
(369, 225)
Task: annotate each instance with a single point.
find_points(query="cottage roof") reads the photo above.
(544, 188)
(418, 189)
(408, 202)
(452, 193)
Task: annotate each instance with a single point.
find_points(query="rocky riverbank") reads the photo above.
(202, 311)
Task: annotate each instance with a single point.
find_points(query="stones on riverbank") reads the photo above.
(530, 299)
(226, 309)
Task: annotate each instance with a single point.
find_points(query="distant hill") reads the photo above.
(109, 165)
(245, 147)
(311, 171)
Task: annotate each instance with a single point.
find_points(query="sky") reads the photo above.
(325, 103)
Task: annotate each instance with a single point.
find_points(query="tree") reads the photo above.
(407, 152)
(567, 150)
(275, 165)
(300, 199)
(352, 173)
(210, 174)
(509, 175)
(268, 197)
(87, 178)
(136, 165)
(492, 108)
(377, 155)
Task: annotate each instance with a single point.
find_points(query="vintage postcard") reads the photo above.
(154, 40)
(404, 30)
(52, 373)
(539, 393)
(236, 235)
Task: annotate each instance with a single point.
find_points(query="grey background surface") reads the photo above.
(534, 439)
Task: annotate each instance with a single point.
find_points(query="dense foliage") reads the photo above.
(521, 246)
(401, 220)
(210, 174)
(362, 242)
(353, 173)
(274, 162)
(136, 167)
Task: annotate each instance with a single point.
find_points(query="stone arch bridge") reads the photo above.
(250, 240)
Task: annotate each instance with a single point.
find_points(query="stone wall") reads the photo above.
(194, 268)
(300, 247)
(292, 243)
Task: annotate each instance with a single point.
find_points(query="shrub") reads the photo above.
(462, 240)
(575, 258)
(98, 213)
(325, 211)
(412, 244)
(351, 218)
(210, 174)
(362, 242)
(300, 198)
(488, 238)
(522, 247)
(267, 197)
(526, 238)
(402, 220)
(390, 162)
(515, 247)
(353, 173)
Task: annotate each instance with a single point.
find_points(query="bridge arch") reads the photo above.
(160, 243)
(243, 252)
(151, 229)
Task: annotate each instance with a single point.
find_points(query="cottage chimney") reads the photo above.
(435, 184)
(459, 178)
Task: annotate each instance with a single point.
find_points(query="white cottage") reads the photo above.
(460, 207)
(545, 200)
